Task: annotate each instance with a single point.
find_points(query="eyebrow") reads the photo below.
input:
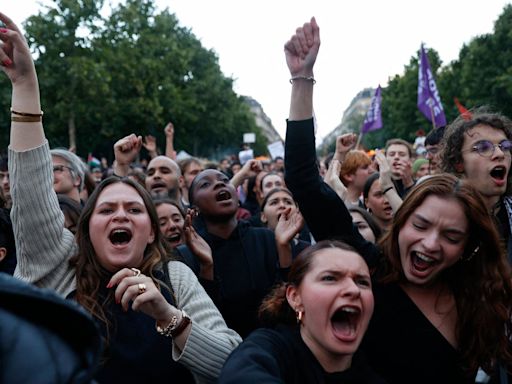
(112, 202)
(451, 230)
(344, 273)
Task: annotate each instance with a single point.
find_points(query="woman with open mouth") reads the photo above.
(245, 258)
(315, 323)
(157, 322)
(442, 285)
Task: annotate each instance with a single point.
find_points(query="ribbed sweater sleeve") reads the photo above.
(210, 341)
(43, 245)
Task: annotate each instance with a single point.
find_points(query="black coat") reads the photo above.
(43, 337)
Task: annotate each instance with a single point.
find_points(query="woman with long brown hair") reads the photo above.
(443, 292)
(153, 314)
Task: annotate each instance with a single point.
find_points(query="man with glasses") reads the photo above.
(68, 173)
(478, 148)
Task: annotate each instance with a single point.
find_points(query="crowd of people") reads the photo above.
(391, 268)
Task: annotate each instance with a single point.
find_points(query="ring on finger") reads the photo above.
(142, 288)
(136, 272)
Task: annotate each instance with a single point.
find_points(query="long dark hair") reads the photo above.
(89, 273)
(480, 281)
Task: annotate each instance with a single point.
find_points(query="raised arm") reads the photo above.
(43, 245)
(18, 66)
(169, 141)
(324, 212)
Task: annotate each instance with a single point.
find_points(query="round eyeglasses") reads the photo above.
(486, 148)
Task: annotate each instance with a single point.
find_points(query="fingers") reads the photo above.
(129, 143)
(129, 285)
(9, 23)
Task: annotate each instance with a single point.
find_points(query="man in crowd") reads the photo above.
(189, 168)
(478, 149)
(399, 156)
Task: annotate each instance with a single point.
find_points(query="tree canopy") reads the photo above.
(482, 75)
(103, 77)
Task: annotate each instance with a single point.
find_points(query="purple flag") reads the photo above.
(373, 120)
(429, 102)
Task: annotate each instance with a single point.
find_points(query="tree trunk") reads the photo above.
(72, 131)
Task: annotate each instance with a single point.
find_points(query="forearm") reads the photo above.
(301, 105)
(169, 147)
(25, 99)
(121, 169)
(284, 251)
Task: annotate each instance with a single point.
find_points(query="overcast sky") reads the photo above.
(364, 42)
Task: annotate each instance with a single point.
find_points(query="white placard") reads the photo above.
(276, 149)
(245, 156)
(249, 138)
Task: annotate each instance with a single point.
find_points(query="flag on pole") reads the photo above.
(373, 120)
(429, 102)
(466, 115)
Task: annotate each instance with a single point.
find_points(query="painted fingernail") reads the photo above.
(109, 285)
(6, 62)
(3, 30)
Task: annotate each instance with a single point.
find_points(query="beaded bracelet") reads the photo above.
(310, 78)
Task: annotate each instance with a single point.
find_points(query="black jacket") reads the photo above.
(43, 337)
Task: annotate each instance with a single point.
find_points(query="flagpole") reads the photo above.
(433, 118)
(359, 140)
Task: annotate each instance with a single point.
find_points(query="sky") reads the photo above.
(363, 43)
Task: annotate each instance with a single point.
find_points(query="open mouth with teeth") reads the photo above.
(174, 238)
(421, 262)
(345, 322)
(499, 173)
(120, 236)
(223, 196)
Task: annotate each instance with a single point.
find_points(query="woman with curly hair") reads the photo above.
(442, 285)
(153, 314)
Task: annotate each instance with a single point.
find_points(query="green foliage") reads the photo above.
(132, 71)
(482, 75)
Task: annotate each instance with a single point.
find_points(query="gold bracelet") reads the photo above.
(27, 119)
(27, 114)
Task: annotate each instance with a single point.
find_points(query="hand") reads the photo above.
(198, 246)
(332, 178)
(126, 149)
(404, 169)
(150, 144)
(289, 224)
(345, 143)
(149, 301)
(302, 49)
(384, 171)
(251, 168)
(15, 58)
(169, 130)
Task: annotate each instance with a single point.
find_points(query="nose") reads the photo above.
(498, 152)
(431, 241)
(120, 215)
(350, 288)
(172, 225)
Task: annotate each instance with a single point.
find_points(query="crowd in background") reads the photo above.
(392, 267)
